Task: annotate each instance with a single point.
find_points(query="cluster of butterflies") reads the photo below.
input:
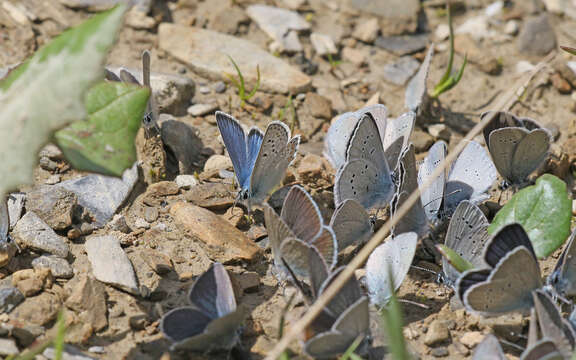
(376, 169)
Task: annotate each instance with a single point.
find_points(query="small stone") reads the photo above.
(318, 105)
(442, 32)
(202, 109)
(421, 140)
(54, 205)
(31, 281)
(8, 347)
(140, 223)
(97, 349)
(437, 333)
(213, 196)
(401, 71)
(70, 353)
(53, 179)
(524, 66)
(560, 84)
(203, 90)
(323, 44)
(48, 164)
(311, 168)
(38, 310)
(357, 57)
(137, 19)
(476, 27)
(294, 4)
(439, 132)
(439, 352)
(219, 87)
(471, 339)
(156, 192)
(32, 232)
(235, 216)
(10, 297)
(118, 223)
(249, 281)
(366, 31)
(512, 27)
(88, 299)
(138, 322)
(60, 268)
(403, 44)
(186, 181)
(158, 262)
(555, 6)
(185, 276)
(150, 214)
(399, 16)
(537, 36)
(224, 241)
(217, 162)
(110, 264)
(51, 152)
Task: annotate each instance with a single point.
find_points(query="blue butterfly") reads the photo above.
(259, 160)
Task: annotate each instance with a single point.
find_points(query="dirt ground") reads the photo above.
(131, 329)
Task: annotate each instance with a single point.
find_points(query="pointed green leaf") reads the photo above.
(543, 209)
(454, 259)
(105, 142)
(47, 92)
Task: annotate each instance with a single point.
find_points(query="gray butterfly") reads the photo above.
(467, 235)
(544, 349)
(415, 220)
(512, 275)
(351, 224)
(394, 255)
(212, 321)
(551, 324)
(299, 227)
(416, 90)
(518, 145)
(345, 318)
(365, 177)
(470, 177)
(563, 278)
(489, 348)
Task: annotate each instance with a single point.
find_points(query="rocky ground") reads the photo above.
(122, 252)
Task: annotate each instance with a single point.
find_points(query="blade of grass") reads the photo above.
(392, 316)
(349, 354)
(454, 259)
(249, 96)
(448, 72)
(60, 336)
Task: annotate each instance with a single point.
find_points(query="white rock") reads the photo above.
(494, 9)
(186, 181)
(217, 162)
(555, 6)
(477, 27)
(31, 232)
(524, 66)
(323, 44)
(294, 4)
(8, 347)
(512, 27)
(140, 223)
(367, 30)
(442, 32)
(110, 264)
(202, 109)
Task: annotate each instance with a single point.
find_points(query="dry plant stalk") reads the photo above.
(505, 103)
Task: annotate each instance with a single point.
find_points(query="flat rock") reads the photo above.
(323, 44)
(318, 106)
(53, 204)
(228, 19)
(15, 207)
(400, 71)
(537, 36)
(213, 196)
(60, 268)
(10, 297)
(217, 162)
(32, 281)
(366, 30)
(228, 243)
(402, 44)
(437, 333)
(38, 310)
(202, 109)
(400, 16)
(32, 232)
(206, 52)
(88, 299)
(472, 338)
(110, 263)
(186, 181)
(102, 195)
(8, 347)
(280, 24)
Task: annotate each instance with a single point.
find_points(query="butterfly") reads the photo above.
(518, 145)
(563, 278)
(416, 91)
(212, 321)
(259, 161)
(351, 224)
(299, 227)
(470, 177)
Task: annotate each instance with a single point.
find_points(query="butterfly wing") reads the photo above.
(397, 137)
(351, 224)
(182, 323)
(278, 231)
(416, 89)
(301, 214)
(564, 275)
(212, 292)
(235, 140)
(432, 196)
(530, 154)
(489, 348)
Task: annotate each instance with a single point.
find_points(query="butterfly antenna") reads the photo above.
(511, 344)
(414, 303)
(424, 269)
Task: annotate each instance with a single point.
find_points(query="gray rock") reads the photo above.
(15, 207)
(58, 266)
(537, 37)
(366, 30)
(51, 152)
(182, 140)
(32, 232)
(202, 109)
(402, 44)
(186, 181)
(400, 71)
(437, 333)
(400, 16)
(110, 264)
(69, 353)
(150, 214)
(8, 347)
(323, 44)
(102, 195)
(53, 204)
(172, 92)
(220, 87)
(278, 24)
(205, 52)
(140, 223)
(10, 297)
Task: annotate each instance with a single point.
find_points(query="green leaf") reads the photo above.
(393, 323)
(454, 259)
(543, 209)
(47, 91)
(105, 142)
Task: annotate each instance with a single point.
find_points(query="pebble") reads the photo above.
(537, 36)
(217, 162)
(150, 214)
(224, 242)
(158, 262)
(323, 44)
(421, 140)
(97, 349)
(442, 32)
(311, 167)
(279, 24)
(401, 16)
(88, 299)
(512, 27)
(102, 195)
(219, 87)
(10, 297)
(366, 31)
(118, 223)
(53, 204)
(51, 152)
(357, 57)
(8, 347)
(523, 66)
(439, 132)
(318, 106)
(560, 83)
(53, 179)
(476, 27)
(140, 223)
(38, 310)
(471, 339)
(60, 268)
(403, 44)
(184, 143)
(439, 352)
(228, 19)
(401, 71)
(15, 207)
(202, 109)
(202, 50)
(213, 196)
(204, 90)
(186, 181)
(32, 232)
(293, 4)
(32, 281)
(69, 353)
(437, 333)
(110, 264)
(235, 216)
